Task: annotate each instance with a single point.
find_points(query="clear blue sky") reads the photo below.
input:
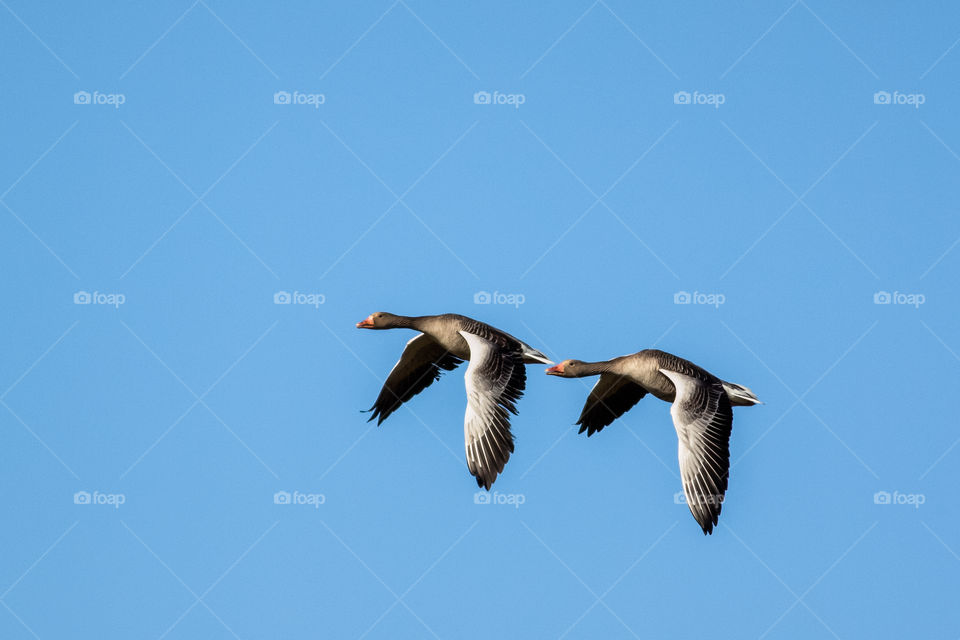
(184, 191)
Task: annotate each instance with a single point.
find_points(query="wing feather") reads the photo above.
(610, 398)
(494, 380)
(422, 362)
(703, 418)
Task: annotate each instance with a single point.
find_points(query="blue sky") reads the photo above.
(170, 169)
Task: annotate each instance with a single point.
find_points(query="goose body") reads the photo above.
(701, 408)
(495, 379)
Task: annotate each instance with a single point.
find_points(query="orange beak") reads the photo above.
(366, 323)
(555, 370)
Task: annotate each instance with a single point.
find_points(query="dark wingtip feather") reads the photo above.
(707, 521)
(377, 415)
(590, 429)
(374, 415)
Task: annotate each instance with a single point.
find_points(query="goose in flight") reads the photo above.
(495, 379)
(701, 410)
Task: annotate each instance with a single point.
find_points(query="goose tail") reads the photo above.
(740, 395)
(532, 356)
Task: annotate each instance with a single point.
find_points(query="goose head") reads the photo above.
(566, 369)
(378, 320)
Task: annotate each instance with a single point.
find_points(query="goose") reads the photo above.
(701, 410)
(494, 379)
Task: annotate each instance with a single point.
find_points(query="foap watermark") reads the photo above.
(98, 498)
(910, 99)
(712, 99)
(486, 97)
(297, 97)
(912, 499)
(707, 499)
(298, 297)
(112, 99)
(699, 297)
(97, 297)
(296, 497)
(897, 297)
(485, 297)
(486, 497)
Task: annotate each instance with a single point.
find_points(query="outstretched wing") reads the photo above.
(611, 397)
(495, 380)
(703, 419)
(423, 360)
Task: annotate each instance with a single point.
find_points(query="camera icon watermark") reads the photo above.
(710, 99)
(910, 299)
(297, 498)
(512, 99)
(298, 297)
(910, 99)
(297, 97)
